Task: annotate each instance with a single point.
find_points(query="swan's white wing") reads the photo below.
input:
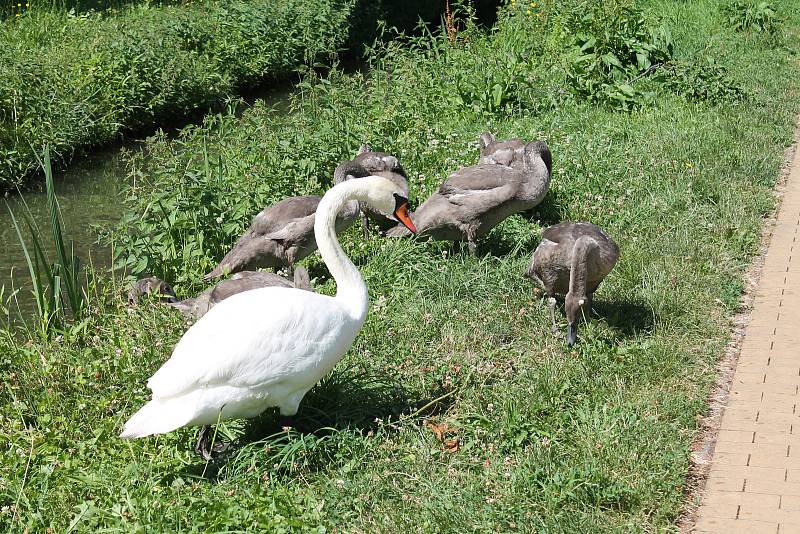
(257, 338)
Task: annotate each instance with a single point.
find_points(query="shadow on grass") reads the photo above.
(500, 244)
(548, 212)
(627, 317)
(342, 407)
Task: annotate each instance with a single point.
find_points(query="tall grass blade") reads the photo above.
(45, 273)
(32, 270)
(53, 282)
(67, 266)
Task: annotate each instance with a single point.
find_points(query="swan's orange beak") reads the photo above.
(401, 213)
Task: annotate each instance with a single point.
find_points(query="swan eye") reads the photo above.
(399, 200)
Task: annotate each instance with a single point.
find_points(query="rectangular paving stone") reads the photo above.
(735, 436)
(767, 474)
(774, 436)
(726, 484)
(791, 503)
(772, 488)
(774, 460)
(718, 525)
(793, 475)
(738, 459)
(730, 504)
(760, 449)
(745, 406)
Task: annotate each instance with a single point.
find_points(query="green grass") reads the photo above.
(79, 74)
(73, 81)
(13, 9)
(549, 440)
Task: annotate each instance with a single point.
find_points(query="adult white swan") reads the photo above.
(248, 354)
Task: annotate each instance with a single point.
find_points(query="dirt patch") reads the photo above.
(706, 439)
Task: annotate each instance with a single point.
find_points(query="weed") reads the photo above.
(56, 284)
(615, 44)
(759, 16)
(701, 80)
(494, 85)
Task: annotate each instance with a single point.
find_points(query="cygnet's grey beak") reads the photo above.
(572, 334)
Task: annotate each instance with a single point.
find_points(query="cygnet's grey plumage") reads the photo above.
(242, 281)
(151, 286)
(279, 236)
(474, 199)
(509, 153)
(372, 163)
(572, 259)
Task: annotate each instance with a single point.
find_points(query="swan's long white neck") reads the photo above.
(351, 290)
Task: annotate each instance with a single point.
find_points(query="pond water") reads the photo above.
(87, 194)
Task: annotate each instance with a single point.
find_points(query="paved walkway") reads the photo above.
(754, 481)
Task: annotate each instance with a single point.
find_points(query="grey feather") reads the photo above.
(279, 236)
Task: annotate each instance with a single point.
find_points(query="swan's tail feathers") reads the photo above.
(157, 417)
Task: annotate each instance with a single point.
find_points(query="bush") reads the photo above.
(71, 81)
(701, 80)
(746, 15)
(614, 44)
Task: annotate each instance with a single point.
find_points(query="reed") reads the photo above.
(56, 285)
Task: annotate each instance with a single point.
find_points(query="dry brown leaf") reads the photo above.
(452, 445)
(438, 430)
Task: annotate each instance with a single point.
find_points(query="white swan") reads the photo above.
(247, 354)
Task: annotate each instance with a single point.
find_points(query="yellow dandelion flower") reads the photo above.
(528, 12)
(19, 5)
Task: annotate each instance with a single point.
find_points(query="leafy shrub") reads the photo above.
(705, 80)
(493, 85)
(183, 214)
(744, 15)
(613, 45)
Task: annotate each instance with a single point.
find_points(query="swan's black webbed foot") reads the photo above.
(365, 223)
(206, 448)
